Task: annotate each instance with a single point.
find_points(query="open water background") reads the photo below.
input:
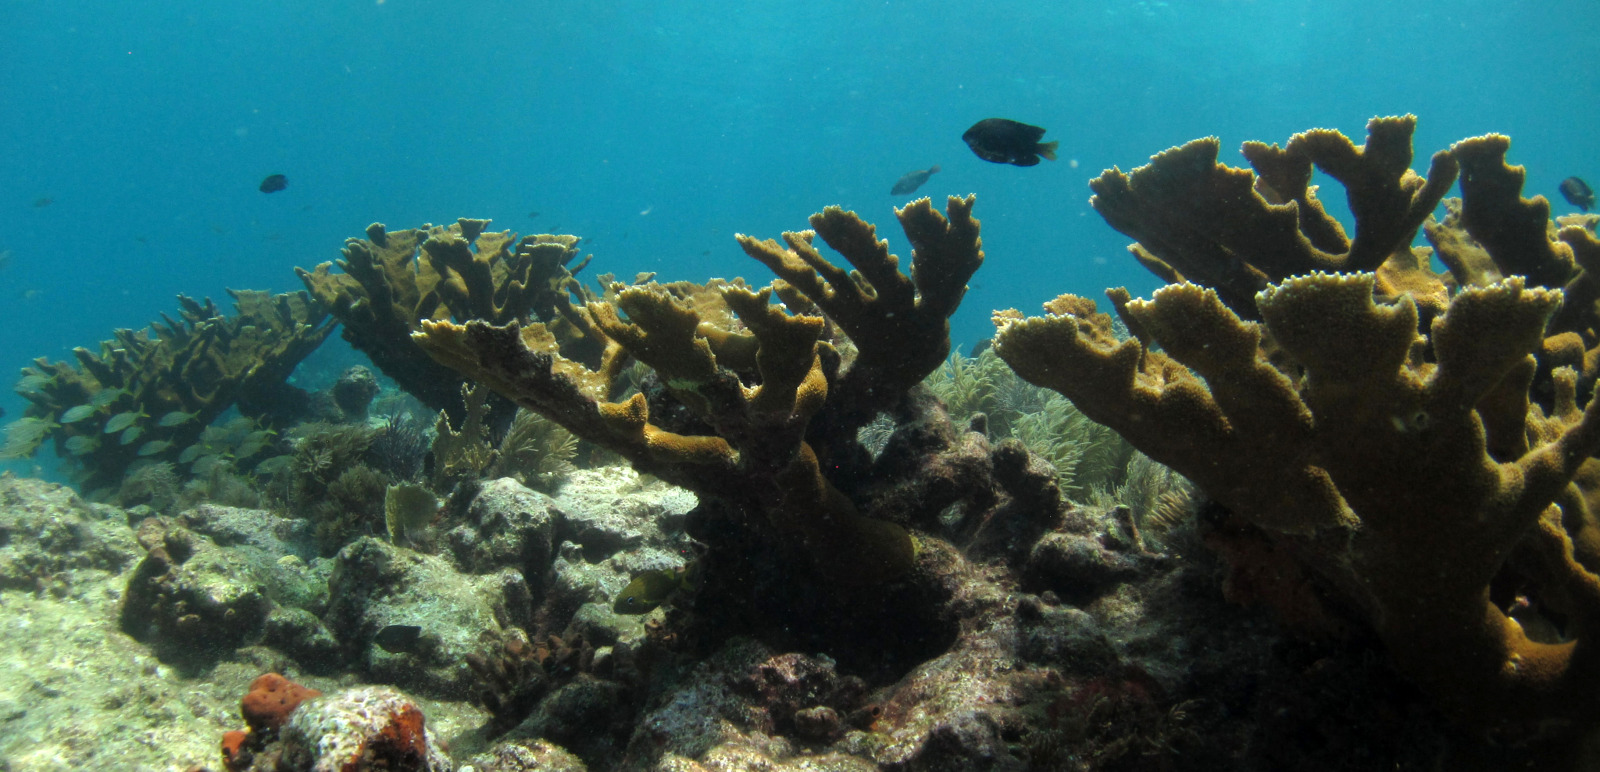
(659, 129)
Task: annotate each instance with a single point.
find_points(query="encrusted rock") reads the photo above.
(46, 531)
(371, 728)
(613, 509)
(192, 600)
(525, 756)
(354, 391)
(376, 584)
(1076, 567)
(508, 526)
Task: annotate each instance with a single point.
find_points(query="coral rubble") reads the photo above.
(1380, 438)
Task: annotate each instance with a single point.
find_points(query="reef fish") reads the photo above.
(178, 418)
(398, 639)
(648, 590)
(1577, 193)
(274, 183)
(77, 414)
(1003, 141)
(122, 421)
(912, 180)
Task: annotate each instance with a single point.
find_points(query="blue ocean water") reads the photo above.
(135, 134)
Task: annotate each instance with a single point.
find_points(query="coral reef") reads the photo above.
(148, 394)
(354, 392)
(1377, 433)
(1150, 668)
(750, 414)
(392, 280)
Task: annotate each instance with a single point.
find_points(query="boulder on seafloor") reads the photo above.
(508, 525)
(195, 601)
(46, 531)
(376, 584)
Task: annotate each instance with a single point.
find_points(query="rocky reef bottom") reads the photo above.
(130, 639)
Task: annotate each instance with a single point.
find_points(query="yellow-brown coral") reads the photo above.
(392, 280)
(1376, 424)
(1374, 463)
(757, 427)
(154, 391)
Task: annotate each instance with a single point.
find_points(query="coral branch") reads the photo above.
(750, 394)
(1386, 434)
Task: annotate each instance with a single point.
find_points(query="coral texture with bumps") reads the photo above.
(1390, 448)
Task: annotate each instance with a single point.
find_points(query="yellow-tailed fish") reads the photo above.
(649, 589)
(121, 421)
(130, 434)
(80, 445)
(153, 447)
(105, 397)
(272, 466)
(77, 414)
(177, 418)
(33, 383)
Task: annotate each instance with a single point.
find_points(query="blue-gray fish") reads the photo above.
(130, 434)
(79, 445)
(153, 447)
(1577, 193)
(399, 639)
(913, 180)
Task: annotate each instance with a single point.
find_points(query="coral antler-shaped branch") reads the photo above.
(148, 394)
(1221, 227)
(746, 420)
(393, 280)
(1375, 465)
(899, 324)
